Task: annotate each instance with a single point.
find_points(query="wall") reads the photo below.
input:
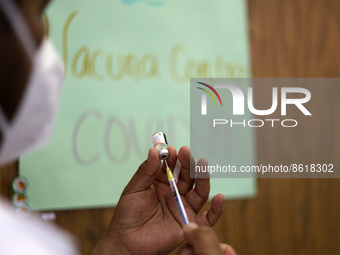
(293, 38)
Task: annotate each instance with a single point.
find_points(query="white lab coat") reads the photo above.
(31, 236)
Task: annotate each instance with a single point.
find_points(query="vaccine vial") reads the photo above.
(160, 143)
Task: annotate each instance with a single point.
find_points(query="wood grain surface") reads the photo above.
(288, 38)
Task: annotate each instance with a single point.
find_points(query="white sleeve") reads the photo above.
(31, 236)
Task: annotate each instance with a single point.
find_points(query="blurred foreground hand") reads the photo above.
(202, 240)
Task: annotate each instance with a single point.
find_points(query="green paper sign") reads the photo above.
(128, 69)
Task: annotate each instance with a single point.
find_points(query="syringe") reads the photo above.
(177, 196)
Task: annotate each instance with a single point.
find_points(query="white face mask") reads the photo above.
(31, 127)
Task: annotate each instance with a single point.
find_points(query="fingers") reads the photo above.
(227, 249)
(216, 209)
(185, 183)
(199, 195)
(201, 239)
(145, 174)
(188, 250)
(210, 217)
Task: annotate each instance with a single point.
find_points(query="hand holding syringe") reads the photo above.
(160, 143)
(149, 214)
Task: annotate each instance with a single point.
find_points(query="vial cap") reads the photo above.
(163, 154)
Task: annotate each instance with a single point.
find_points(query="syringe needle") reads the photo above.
(176, 194)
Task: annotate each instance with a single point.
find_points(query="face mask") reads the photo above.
(31, 127)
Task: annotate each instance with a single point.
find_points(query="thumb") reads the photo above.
(202, 239)
(145, 174)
